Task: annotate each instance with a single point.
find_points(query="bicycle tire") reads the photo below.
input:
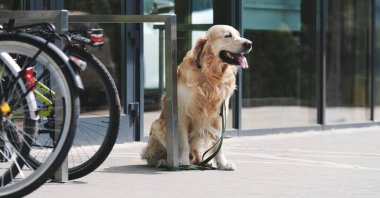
(14, 90)
(56, 63)
(95, 73)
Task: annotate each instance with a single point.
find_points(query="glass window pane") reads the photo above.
(347, 61)
(109, 54)
(279, 89)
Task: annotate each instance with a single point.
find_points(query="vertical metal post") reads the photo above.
(238, 95)
(171, 92)
(372, 62)
(161, 60)
(237, 103)
(61, 24)
(321, 62)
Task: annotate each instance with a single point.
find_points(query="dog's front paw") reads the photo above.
(184, 161)
(227, 166)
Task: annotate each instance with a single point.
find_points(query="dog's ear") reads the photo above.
(197, 50)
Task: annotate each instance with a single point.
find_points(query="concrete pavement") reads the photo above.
(337, 163)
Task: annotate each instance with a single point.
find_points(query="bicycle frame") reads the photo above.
(32, 83)
(31, 97)
(44, 99)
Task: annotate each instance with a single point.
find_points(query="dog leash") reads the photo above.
(204, 165)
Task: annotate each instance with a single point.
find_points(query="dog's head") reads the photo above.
(224, 42)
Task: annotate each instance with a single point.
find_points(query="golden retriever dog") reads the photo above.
(205, 79)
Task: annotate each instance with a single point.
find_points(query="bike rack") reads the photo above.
(170, 68)
(61, 20)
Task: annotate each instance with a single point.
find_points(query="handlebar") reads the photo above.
(93, 38)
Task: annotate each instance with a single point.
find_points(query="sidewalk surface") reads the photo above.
(338, 163)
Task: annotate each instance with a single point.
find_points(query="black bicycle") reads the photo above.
(100, 118)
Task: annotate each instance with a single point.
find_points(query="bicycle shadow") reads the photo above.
(134, 169)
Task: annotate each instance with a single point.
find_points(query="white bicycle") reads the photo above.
(29, 64)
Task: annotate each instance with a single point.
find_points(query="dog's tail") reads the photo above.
(150, 151)
(155, 151)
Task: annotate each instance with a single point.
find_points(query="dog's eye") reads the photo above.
(229, 35)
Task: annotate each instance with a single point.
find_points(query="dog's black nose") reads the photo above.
(247, 45)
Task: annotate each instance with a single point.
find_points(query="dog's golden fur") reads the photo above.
(204, 81)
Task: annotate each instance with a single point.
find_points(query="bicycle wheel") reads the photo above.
(18, 119)
(99, 120)
(21, 134)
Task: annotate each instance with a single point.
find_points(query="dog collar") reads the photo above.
(198, 65)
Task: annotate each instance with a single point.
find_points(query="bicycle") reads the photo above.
(25, 60)
(97, 130)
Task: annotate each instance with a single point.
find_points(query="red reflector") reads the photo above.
(30, 82)
(97, 38)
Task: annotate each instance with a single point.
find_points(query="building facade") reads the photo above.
(315, 63)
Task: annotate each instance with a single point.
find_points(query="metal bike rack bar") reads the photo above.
(170, 68)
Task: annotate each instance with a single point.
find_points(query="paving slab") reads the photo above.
(335, 163)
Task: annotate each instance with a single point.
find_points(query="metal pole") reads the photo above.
(161, 60)
(171, 92)
(61, 25)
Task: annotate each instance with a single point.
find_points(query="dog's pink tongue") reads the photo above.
(243, 62)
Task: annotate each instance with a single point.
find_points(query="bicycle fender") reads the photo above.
(15, 69)
(75, 77)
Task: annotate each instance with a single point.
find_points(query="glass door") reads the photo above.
(193, 19)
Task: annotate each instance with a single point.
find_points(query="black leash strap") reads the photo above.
(220, 140)
(204, 165)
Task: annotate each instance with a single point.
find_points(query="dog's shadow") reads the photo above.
(134, 169)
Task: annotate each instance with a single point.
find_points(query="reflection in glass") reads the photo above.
(347, 61)
(279, 89)
(110, 53)
(188, 13)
